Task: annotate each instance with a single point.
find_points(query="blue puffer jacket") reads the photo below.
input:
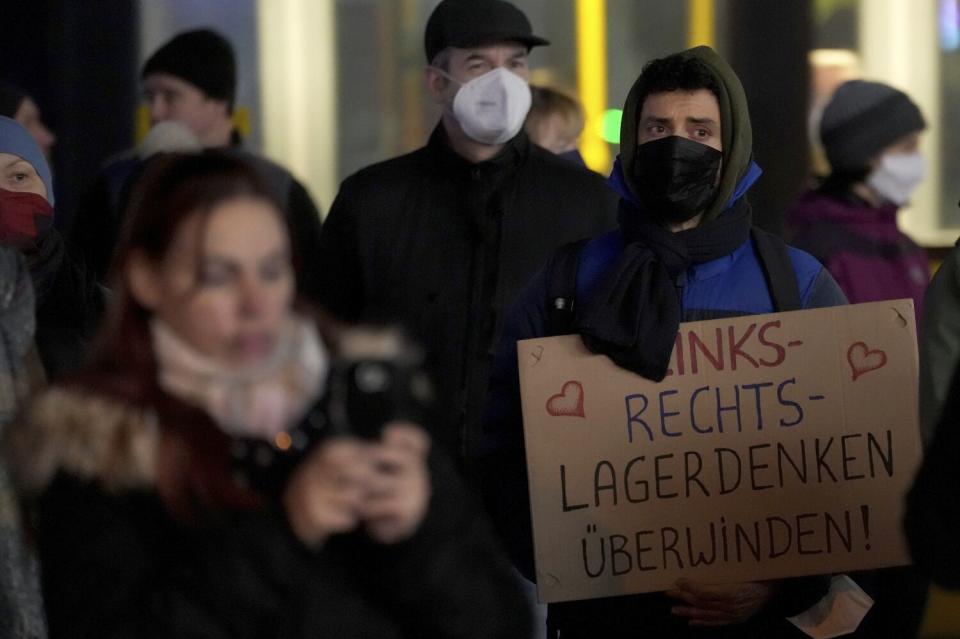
(729, 286)
(733, 285)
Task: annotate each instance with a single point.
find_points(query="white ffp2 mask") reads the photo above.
(491, 108)
(897, 176)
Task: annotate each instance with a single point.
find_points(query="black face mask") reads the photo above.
(676, 177)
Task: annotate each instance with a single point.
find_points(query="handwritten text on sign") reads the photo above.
(778, 445)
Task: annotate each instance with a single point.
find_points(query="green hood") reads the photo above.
(736, 134)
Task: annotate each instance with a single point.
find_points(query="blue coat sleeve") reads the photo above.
(824, 292)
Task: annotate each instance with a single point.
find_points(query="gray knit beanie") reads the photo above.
(861, 119)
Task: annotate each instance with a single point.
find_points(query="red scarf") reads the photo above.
(24, 217)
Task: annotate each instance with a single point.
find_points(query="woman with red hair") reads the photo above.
(144, 528)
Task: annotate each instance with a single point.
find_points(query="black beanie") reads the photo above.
(10, 99)
(204, 58)
(863, 118)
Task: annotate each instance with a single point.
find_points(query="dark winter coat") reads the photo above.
(442, 246)
(939, 342)
(117, 564)
(69, 313)
(932, 520)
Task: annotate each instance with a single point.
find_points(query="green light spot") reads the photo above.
(610, 125)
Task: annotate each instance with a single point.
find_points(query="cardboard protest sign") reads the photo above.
(778, 445)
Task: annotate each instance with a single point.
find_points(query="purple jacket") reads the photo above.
(861, 246)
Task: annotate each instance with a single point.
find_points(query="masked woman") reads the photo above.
(69, 303)
(143, 527)
(871, 134)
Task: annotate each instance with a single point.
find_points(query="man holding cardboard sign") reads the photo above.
(779, 445)
(685, 251)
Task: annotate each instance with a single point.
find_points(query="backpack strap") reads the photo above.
(561, 279)
(777, 270)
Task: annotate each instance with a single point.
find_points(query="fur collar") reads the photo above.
(89, 436)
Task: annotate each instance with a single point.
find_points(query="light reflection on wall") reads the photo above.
(896, 47)
(592, 80)
(829, 68)
(949, 25)
(297, 100)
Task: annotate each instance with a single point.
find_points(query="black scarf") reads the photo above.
(634, 314)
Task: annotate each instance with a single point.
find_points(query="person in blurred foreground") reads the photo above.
(149, 525)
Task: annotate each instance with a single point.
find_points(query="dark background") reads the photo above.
(77, 58)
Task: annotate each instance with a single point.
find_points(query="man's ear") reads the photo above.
(141, 273)
(436, 83)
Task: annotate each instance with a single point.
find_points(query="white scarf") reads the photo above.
(255, 401)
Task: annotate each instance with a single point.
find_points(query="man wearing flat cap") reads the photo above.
(441, 240)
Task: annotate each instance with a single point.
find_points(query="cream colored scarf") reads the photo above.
(257, 401)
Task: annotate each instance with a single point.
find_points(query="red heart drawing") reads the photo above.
(862, 360)
(567, 403)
